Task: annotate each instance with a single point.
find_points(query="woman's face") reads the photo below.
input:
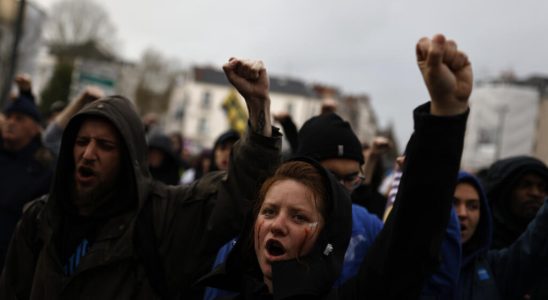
(287, 226)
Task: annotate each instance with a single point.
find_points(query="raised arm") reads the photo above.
(54, 132)
(211, 211)
(407, 250)
(249, 77)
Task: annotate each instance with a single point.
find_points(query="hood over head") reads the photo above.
(480, 242)
(501, 179)
(121, 113)
(311, 275)
(227, 136)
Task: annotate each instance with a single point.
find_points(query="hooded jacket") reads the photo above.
(502, 178)
(476, 279)
(227, 136)
(507, 273)
(310, 276)
(189, 222)
(405, 253)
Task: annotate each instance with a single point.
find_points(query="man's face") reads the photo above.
(97, 155)
(222, 155)
(19, 130)
(347, 171)
(528, 196)
(467, 205)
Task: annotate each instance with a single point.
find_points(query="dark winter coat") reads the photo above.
(24, 175)
(508, 273)
(189, 223)
(308, 276)
(406, 252)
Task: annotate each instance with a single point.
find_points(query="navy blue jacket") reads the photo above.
(507, 273)
(24, 176)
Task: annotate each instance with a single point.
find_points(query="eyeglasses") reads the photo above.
(350, 181)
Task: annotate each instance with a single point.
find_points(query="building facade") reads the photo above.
(503, 122)
(196, 104)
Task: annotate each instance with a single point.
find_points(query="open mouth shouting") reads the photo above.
(274, 248)
(85, 175)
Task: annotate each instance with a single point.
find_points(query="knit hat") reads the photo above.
(329, 136)
(162, 142)
(25, 105)
(227, 136)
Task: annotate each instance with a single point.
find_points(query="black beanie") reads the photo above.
(329, 136)
(25, 105)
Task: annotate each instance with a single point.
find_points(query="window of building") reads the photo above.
(202, 126)
(206, 100)
(289, 108)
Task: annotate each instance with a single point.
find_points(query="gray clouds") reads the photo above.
(359, 46)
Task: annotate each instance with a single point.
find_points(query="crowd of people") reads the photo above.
(100, 203)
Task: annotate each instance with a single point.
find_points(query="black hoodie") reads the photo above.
(502, 178)
(311, 276)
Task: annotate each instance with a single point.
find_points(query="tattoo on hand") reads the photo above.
(260, 122)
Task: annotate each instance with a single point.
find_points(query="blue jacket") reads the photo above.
(507, 273)
(24, 176)
(365, 227)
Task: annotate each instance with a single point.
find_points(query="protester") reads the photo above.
(516, 188)
(284, 265)
(508, 273)
(107, 231)
(221, 150)
(330, 140)
(26, 165)
(163, 163)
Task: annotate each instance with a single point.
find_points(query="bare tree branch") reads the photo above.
(78, 21)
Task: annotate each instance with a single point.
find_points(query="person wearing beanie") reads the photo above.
(108, 231)
(26, 164)
(331, 140)
(220, 155)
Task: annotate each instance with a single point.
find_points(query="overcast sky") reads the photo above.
(359, 46)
